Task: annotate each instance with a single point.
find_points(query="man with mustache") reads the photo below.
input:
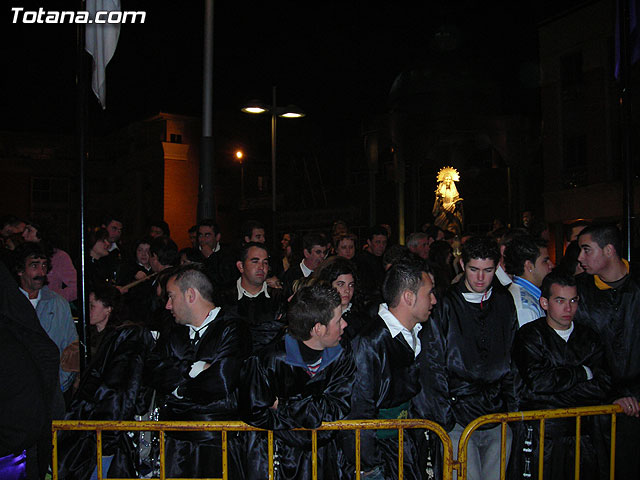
(53, 311)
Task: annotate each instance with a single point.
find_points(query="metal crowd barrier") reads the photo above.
(448, 463)
(503, 418)
(224, 427)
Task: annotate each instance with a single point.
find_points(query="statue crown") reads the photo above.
(448, 172)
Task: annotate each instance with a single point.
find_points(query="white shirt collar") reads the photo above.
(113, 246)
(242, 291)
(217, 249)
(305, 270)
(395, 327)
(34, 301)
(565, 334)
(503, 276)
(474, 297)
(207, 321)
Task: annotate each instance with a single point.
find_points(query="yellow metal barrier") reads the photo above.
(449, 464)
(503, 418)
(224, 427)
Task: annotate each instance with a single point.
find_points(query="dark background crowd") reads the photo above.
(152, 305)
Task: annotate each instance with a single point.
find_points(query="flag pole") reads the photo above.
(625, 124)
(206, 197)
(82, 123)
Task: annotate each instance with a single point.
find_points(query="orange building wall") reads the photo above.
(180, 190)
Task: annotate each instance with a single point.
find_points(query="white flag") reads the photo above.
(100, 41)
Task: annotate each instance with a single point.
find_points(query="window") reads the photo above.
(49, 191)
(574, 166)
(571, 70)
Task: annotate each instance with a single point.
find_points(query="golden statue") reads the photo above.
(447, 208)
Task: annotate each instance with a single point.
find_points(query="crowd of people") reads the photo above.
(446, 328)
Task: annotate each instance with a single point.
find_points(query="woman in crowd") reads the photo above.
(111, 388)
(140, 267)
(569, 262)
(340, 273)
(287, 241)
(346, 245)
(97, 273)
(137, 271)
(441, 258)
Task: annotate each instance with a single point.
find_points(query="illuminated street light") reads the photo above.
(291, 111)
(239, 156)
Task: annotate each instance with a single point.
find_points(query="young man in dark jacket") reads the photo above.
(610, 304)
(467, 355)
(387, 381)
(299, 381)
(562, 365)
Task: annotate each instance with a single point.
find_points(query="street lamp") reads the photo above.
(291, 111)
(239, 156)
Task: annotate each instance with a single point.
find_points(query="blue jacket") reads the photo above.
(55, 317)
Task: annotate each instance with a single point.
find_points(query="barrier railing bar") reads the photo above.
(225, 463)
(578, 442)
(612, 466)
(357, 454)
(314, 454)
(99, 452)
(270, 447)
(447, 457)
(54, 452)
(541, 450)
(162, 456)
(503, 450)
(400, 453)
(461, 464)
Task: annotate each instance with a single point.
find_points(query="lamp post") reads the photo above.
(291, 111)
(239, 156)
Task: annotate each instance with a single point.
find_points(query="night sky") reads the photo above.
(337, 60)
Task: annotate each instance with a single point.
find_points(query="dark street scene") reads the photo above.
(339, 240)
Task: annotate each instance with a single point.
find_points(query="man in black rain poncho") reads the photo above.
(562, 365)
(609, 293)
(300, 380)
(387, 379)
(467, 353)
(198, 369)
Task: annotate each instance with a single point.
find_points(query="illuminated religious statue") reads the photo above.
(447, 208)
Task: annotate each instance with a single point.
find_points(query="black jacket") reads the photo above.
(278, 372)
(112, 388)
(261, 314)
(221, 269)
(615, 316)
(290, 276)
(212, 395)
(552, 369)
(554, 377)
(387, 377)
(467, 358)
